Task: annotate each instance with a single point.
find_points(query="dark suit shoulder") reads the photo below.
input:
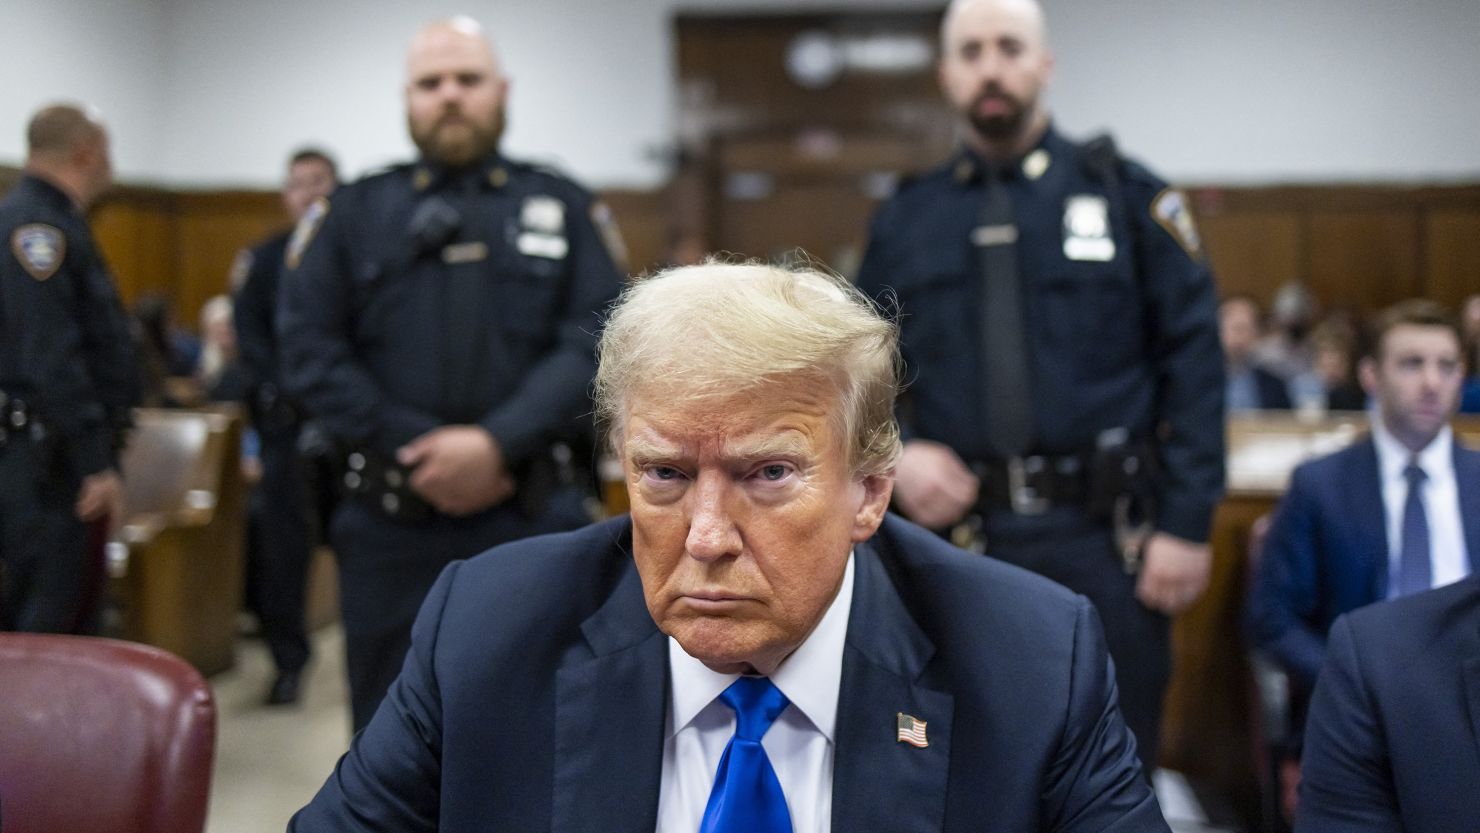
(1404, 624)
(1337, 465)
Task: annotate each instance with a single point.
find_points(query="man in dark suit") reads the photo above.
(1343, 535)
(745, 652)
(1394, 738)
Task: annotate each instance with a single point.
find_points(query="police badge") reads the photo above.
(1087, 228)
(40, 249)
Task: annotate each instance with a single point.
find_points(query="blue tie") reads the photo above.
(1414, 571)
(747, 797)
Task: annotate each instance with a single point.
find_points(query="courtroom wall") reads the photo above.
(212, 93)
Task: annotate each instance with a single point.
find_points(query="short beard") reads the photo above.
(999, 128)
(463, 148)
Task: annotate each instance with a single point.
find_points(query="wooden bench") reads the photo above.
(177, 576)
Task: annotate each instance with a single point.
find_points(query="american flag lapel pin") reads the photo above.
(912, 731)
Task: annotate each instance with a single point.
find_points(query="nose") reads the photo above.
(712, 530)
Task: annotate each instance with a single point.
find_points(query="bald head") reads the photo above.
(994, 66)
(454, 92)
(67, 145)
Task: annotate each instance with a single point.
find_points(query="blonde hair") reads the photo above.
(717, 329)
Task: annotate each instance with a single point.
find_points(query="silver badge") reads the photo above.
(1087, 228)
(543, 215)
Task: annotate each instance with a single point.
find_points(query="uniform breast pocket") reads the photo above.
(1094, 316)
(529, 290)
(937, 313)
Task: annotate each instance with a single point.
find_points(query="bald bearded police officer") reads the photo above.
(67, 376)
(1060, 326)
(439, 318)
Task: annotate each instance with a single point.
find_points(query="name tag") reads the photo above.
(465, 252)
(543, 245)
(994, 235)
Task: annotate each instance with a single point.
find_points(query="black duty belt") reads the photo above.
(17, 418)
(1032, 484)
(384, 484)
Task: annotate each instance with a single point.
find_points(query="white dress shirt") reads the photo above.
(799, 744)
(1448, 558)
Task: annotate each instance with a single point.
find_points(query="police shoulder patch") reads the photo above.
(611, 236)
(39, 248)
(1171, 211)
(304, 232)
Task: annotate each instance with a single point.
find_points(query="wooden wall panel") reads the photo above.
(1253, 252)
(643, 219)
(1451, 255)
(212, 228)
(1363, 259)
(136, 236)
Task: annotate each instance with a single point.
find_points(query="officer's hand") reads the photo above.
(101, 494)
(459, 469)
(1174, 572)
(934, 488)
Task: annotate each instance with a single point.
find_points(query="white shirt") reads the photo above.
(799, 744)
(1448, 558)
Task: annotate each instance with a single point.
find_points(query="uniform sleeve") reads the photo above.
(108, 349)
(555, 390)
(315, 331)
(252, 314)
(1094, 782)
(1182, 315)
(1346, 783)
(389, 780)
(1283, 599)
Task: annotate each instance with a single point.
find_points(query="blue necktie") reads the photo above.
(746, 797)
(1414, 571)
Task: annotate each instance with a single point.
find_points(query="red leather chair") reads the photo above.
(101, 735)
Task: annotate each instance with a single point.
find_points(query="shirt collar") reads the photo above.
(810, 678)
(1393, 456)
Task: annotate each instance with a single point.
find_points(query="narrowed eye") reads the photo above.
(664, 473)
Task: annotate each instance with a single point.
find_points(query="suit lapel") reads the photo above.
(876, 776)
(1369, 517)
(609, 719)
(1467, 481)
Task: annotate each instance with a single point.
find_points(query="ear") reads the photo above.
(874, 493)
(1367, 375)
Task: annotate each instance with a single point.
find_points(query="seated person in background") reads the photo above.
(219, 373)
(1250, 387)
(1395, 513)
(1394, 737)
(1470, 323)
(1333, 344)
(744, 652)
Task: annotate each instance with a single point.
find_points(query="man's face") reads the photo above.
(308, 180)
(454, 96)
(1238, 328)
(743, 514)
(1415, 378)
(994, 65)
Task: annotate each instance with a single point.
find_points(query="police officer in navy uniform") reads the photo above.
(67, 378)
(281, 511)
(1065, 409)
(440, 319)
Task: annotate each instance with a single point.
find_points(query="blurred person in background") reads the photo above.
(1250, 387)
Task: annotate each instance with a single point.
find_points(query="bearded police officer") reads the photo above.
(278, 568)
(1059, 320)
(439, 318)
(67, 377)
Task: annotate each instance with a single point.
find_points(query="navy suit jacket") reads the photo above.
(535, 695)
(1393, 742)
(1327, 552)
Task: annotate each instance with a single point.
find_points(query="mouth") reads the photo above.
(713, 601)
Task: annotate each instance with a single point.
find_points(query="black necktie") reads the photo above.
(1007, 404)
(1414, 570)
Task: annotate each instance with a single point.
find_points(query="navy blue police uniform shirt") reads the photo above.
(420, 297)
(1120, 314)
(67, 349)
